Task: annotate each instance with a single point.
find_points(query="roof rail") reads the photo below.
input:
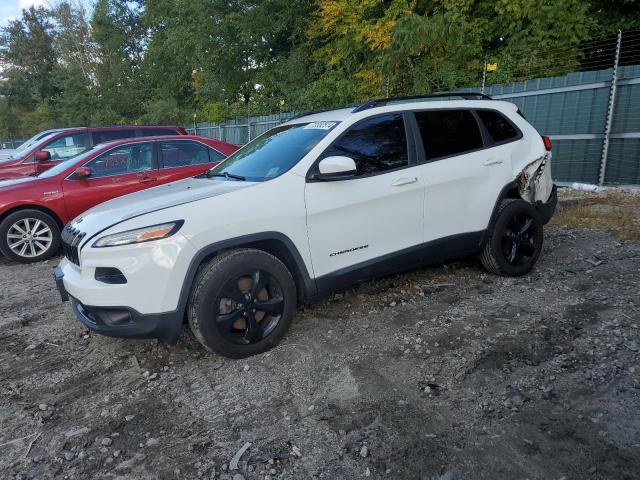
(386, 101)
(311, 112)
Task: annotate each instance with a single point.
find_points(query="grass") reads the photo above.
(617, 212)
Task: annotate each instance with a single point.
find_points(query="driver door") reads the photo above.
(372, 223)
(119, 171)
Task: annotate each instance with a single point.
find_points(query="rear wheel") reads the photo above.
(28, 236)
(515, 240)
(242, 303)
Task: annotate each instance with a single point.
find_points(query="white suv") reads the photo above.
(321, 202)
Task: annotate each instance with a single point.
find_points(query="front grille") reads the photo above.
(71, 238)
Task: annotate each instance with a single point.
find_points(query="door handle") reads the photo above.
(404, 181)
(148, 179)
(492, 161)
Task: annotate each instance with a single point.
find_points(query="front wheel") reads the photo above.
(242, 303)
(28, 236)
(515, 239)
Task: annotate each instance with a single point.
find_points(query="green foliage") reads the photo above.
(164, 61)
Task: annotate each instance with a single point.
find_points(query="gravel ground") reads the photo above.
(445, 372)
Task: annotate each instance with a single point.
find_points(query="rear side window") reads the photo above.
(448, 132)
(182, 154)
(376, 145)
(499, 127)
(102, 136)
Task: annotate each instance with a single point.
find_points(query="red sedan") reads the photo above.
(34, 209)
(51, 147)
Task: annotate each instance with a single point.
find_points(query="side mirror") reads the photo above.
(81, 173)
(43, 156)
(335, 168)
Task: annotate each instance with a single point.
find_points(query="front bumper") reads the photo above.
(548, 208)
(143, 303)
(122, 322)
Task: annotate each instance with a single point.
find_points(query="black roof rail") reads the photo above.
(386, 101)
(312, 112)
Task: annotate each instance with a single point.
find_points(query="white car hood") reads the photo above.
(146, 201)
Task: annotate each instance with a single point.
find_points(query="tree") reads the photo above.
(120, 37)
(28, 56)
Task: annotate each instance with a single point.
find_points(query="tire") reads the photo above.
(224, 306)
(40, 236)
(515, 239)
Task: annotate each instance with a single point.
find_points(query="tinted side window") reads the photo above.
(448, 132)
(119, 161)
(376, 144)
(67, 146)
(108, 135)
(181, 154)
(499, 127)
(153, 132)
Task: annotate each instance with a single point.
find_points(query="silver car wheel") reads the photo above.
(29, 237)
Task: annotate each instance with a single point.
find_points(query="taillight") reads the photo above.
(547, 143)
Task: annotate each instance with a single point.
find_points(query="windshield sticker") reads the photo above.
(321, 125)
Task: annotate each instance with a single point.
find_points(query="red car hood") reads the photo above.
(16, 181)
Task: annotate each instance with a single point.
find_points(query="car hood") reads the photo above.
(6, 157)
(8, 184)
(158, 198)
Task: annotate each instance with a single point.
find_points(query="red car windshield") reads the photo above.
(31, 148)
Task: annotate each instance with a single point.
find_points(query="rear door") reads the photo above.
(185, 158)
(119, 171)
(462, 175)
(362, 222)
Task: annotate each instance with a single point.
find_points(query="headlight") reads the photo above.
(139, 235)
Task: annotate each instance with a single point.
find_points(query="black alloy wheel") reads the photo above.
(242, 303)
(519, 239)
(250, 307)
(515, 239)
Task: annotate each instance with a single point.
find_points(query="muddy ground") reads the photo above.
(445, 372)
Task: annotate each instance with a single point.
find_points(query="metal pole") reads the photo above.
(484, 76)
(248, 124)
(610, 108)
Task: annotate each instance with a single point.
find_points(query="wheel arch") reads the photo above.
(510, 190)
(39, 208)
(275, 243)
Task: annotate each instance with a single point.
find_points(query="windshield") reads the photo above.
(27, 143)
(272, 153)
(62, 166)
(31, 148)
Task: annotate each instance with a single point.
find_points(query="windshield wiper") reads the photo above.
(226, 175)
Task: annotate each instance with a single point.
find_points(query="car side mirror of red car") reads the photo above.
(81, 173)
(43, 156)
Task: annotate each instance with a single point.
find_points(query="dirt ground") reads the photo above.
(445, 372)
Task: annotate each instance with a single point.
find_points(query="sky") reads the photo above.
(12, 9)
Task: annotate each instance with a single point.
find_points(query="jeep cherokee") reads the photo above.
(326, 200)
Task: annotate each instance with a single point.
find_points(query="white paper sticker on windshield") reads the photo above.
(321, 125)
